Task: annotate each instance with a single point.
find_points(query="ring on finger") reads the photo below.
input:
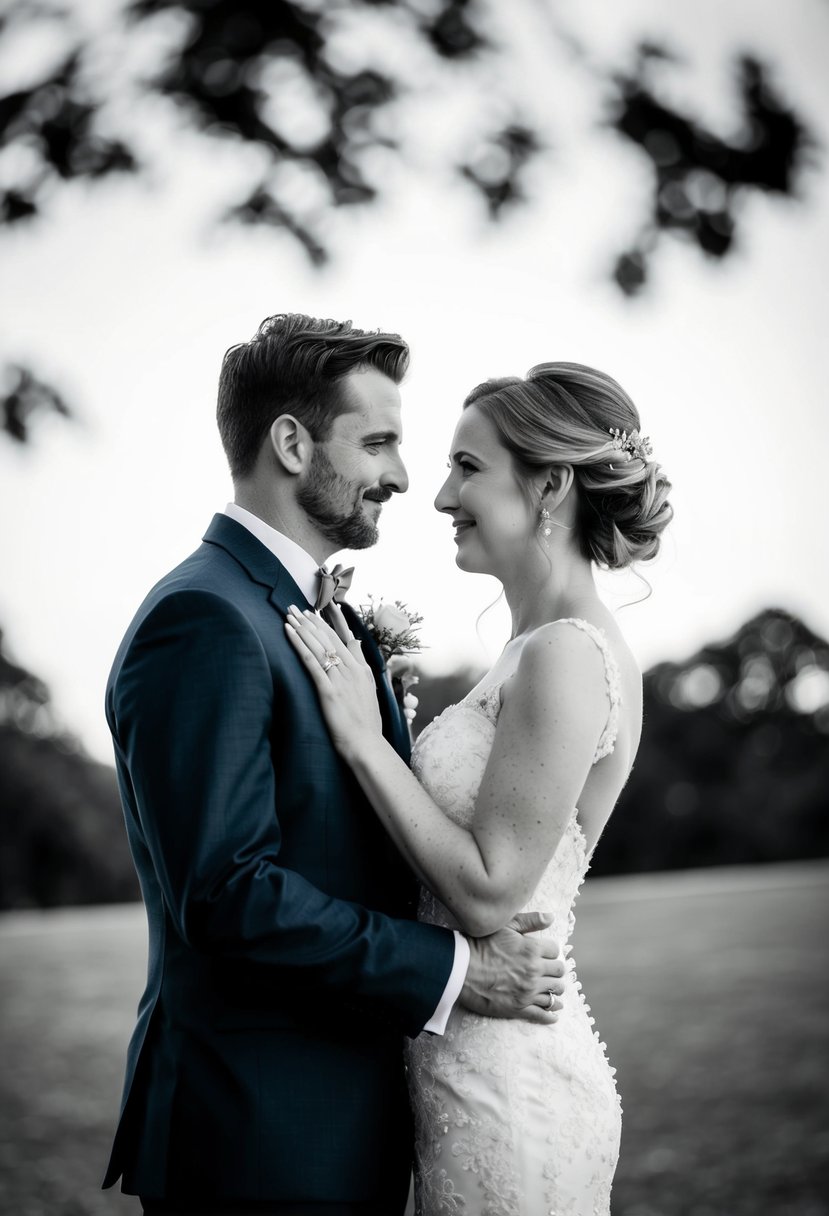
(552, 999)
(332, 659)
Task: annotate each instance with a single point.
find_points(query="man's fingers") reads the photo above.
(543, 1017)
(543, 1001)
(531, 922)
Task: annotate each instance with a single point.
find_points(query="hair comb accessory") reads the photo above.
(632, 444)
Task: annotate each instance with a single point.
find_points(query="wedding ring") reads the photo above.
(332, 659)
(552, 998)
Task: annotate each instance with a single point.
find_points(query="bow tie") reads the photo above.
(333, 586)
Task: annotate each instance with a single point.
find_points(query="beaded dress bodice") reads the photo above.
(512, 1117)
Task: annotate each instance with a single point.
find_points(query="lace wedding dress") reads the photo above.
(511, 1118)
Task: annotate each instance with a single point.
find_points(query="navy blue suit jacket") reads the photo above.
(285, 964)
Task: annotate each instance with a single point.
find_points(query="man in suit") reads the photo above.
(265, 1073)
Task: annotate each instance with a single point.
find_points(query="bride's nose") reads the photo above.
(446, 498)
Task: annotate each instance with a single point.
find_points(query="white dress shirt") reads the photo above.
(304, 570)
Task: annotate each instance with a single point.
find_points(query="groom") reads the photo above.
(265, 1074)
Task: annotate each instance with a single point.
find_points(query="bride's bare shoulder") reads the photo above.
(557, 661)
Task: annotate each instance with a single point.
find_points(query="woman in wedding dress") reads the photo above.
(511, 788)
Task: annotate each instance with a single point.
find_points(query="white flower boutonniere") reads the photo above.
(394, 628)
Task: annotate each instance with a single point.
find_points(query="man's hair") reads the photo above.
(295, 365)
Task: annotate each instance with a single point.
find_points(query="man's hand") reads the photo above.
(511, 975)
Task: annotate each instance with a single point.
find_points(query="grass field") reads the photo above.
(710, 988)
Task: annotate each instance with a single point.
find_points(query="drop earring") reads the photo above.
(546, 523)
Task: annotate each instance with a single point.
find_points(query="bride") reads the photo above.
(511, 788)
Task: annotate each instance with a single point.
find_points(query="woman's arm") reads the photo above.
(548, 728)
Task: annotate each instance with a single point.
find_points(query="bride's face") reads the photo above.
(492, 517)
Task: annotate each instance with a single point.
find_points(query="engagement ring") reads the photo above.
(332, 659)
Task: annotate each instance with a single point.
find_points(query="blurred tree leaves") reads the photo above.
(303, 83)
(289, 77)
(55, 119)
(698, 177)
(25, 394)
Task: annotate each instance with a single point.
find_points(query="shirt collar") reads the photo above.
(303, 568)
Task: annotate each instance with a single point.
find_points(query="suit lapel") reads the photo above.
(266, 569)
(262, 566)
(395, 727)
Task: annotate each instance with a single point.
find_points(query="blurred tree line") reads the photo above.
(734, 762)
(62, 836)
(329, 102)
(733, 769)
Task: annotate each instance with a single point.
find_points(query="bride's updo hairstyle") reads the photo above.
(566, 413)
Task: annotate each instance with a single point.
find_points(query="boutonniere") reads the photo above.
(394, 628)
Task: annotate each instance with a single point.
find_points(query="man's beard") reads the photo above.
(321, 498)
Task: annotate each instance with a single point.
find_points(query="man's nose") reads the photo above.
(396, 477)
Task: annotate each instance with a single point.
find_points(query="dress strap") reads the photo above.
(486, 701)
(613, 680)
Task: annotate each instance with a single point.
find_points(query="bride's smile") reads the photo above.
(491, 513)
(461, 526)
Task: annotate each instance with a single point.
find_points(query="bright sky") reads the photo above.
(128, 297)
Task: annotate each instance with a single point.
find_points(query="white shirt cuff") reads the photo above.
(457, 979)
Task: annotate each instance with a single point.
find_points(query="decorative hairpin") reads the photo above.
(632, 445)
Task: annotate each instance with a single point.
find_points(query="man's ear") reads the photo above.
(291, 444)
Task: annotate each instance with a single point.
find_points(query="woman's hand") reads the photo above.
(342, 678)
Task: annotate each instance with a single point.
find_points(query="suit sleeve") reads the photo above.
(191, 711)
